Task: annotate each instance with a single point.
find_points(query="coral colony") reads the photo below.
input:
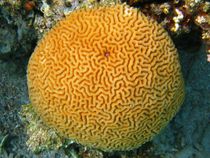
(106, 77)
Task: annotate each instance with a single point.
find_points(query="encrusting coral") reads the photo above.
(107, 77)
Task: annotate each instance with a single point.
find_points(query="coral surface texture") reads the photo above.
(107, 77)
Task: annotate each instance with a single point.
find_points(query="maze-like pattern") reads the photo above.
(106, 77)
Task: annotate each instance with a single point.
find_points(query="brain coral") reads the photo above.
(106, 77)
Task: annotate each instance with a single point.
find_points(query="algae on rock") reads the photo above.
(41, 137)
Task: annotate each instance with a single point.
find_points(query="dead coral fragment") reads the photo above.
(106, 77)
(202, 19)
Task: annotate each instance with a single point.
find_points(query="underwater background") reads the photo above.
(22, 24)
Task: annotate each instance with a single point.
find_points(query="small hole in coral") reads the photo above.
(106, 54)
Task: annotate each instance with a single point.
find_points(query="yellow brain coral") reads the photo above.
(107, 77)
